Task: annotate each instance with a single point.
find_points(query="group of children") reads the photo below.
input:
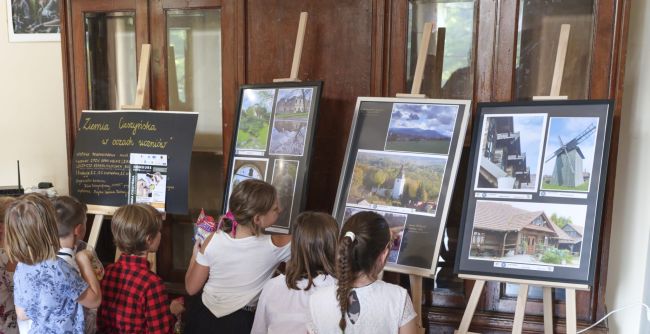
(330, 284)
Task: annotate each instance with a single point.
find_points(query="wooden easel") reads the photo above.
(297, 52)
(571, 323)
(101, 211)
(416, 280)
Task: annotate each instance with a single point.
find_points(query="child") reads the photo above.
(361, 303)
(135, 300)
(71, 225)
(284, 303)
(47, 290)
(7, 311)
(236, 261)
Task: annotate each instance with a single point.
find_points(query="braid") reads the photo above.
(345, 278)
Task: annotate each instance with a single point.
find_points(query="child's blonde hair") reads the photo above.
(249, 198)
(132, 225)
(30, 230)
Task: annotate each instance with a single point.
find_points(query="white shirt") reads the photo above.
(284, 310)
(68, 255)
(239, 268)
(384, 308)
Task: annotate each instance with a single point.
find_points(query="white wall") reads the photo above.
(32, 117)
(628, 278)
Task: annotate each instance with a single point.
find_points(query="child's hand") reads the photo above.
(177, 307)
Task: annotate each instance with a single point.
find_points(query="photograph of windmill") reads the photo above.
(569, 156)
(254, 119)
(510, 155)
(290, 123)
(420, 127)
(402, 182)
(529, 233)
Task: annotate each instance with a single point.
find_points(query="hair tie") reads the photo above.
(230, 216)
(351, 235)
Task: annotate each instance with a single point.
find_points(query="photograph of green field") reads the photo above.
(420, 127)
(401, 182)
(254, 119)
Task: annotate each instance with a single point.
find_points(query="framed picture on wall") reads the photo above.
(534, 198)
(33, 20)
(272, 142)
(401, 162)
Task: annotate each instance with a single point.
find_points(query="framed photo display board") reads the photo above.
(272, 142)
(401, 162)
(534, 194)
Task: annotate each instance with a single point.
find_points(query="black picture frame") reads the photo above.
(547, 226)
(416, 144)
(272, 140)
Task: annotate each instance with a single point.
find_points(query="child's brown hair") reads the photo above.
(30, 230)
(69, 213)
(249, 198)
(358, 254)
(313, 248)
(5, 202)
(132, 225)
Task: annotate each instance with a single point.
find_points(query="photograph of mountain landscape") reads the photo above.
(402, 182)
(292, 111)
(420, 127)
(254, 119)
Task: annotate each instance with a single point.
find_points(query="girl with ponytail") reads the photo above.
(360, 303)
(235, 262)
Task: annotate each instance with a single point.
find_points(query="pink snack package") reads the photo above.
(204, 226)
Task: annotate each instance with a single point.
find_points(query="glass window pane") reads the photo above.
(194, 84)
(539, 32)
(455, 78)
(111, 59)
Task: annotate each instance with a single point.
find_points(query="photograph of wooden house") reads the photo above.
(569, 157)
(511, 146)
(529, 233)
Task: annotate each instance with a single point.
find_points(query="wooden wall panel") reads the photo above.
(337, 50)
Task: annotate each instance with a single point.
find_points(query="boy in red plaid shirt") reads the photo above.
(134, 300)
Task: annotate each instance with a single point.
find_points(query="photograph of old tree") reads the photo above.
(254, 119)
(528, 233)
(569, 157)
(291, 118)
(401, 182)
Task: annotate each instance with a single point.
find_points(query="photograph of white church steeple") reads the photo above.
(569, 155)
(395, 181)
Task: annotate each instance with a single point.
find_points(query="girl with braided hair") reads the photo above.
(360, 303)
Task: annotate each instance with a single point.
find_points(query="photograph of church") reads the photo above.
(405, 182)
(531, 233)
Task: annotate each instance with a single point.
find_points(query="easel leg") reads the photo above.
(520, 310)
(571, 324)
(416, 295)
(471, 307)
(548, 310)
(94, 230)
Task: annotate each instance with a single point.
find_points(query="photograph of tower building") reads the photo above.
(569, 156)
(510, 152)
(397, 181)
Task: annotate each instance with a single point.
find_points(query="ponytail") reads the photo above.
(345, 277)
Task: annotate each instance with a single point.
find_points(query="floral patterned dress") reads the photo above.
(7, 309)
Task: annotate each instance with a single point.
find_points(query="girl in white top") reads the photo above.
(361, 303)
(284, 303)
(235, 262)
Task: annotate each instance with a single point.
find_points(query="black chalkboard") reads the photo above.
(105, 139)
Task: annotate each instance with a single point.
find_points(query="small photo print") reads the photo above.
(397, 224)
(285, 174)
(420, 127)
(254, 119)
(33, 20)
(406, 183)
(292, 110)
(569, 154)
(248, 168)
(511, 148)
(528, 233)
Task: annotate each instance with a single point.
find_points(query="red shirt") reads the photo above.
(133, 299)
